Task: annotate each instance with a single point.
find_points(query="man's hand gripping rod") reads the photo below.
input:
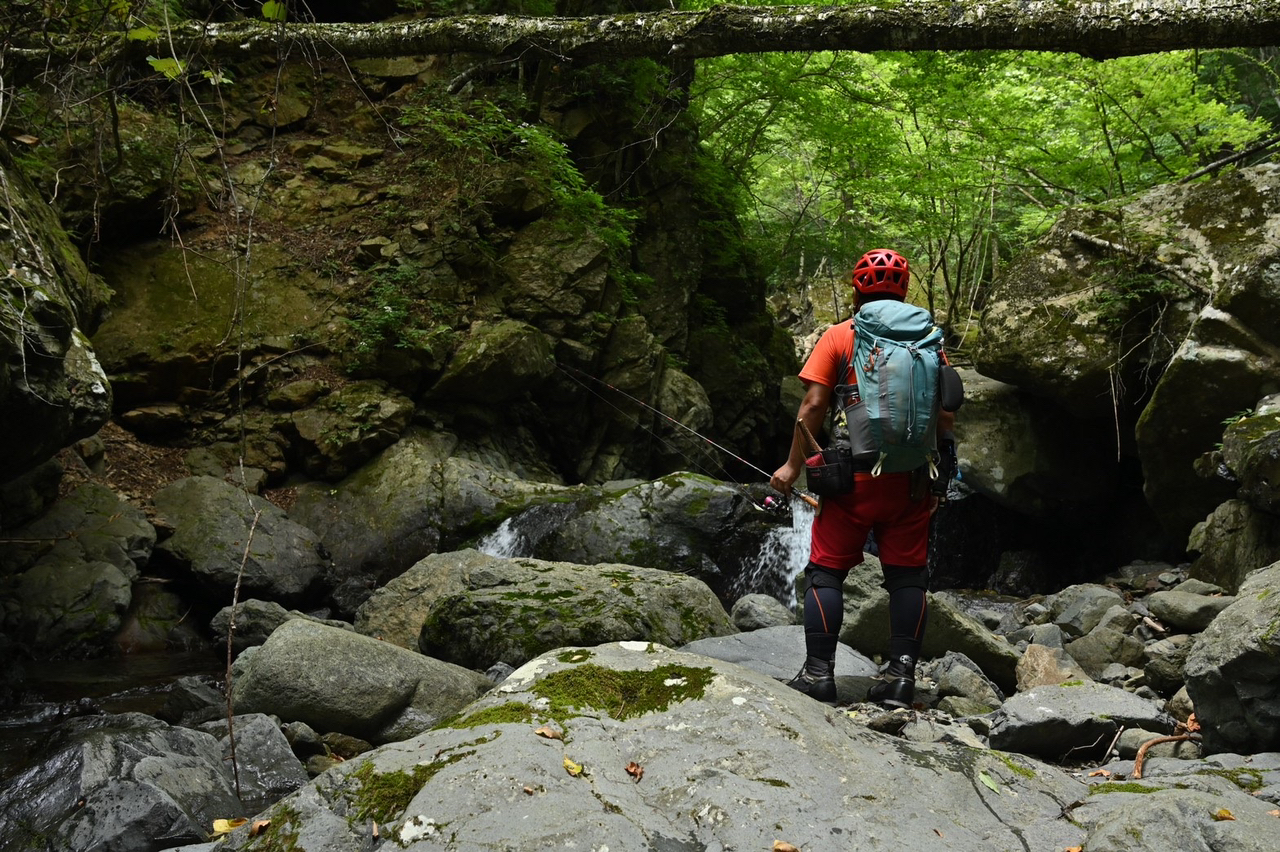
(813, 445)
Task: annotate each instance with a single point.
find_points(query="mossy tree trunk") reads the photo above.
(1098, 29)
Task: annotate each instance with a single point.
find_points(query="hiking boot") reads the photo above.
(816, 680)
(898, 689)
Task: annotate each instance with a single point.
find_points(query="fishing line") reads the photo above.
(769, 502)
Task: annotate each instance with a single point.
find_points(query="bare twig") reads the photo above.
(1236, 157)
(231, 632)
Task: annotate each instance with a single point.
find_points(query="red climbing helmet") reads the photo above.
(881, 271)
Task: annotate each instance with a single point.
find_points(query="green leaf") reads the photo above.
(142, 33)
(988, 781)
(275, 10)
(171, 68)
(217, 78)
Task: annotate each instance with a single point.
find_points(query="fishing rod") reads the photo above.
(812, 501)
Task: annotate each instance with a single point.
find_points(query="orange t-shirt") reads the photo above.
(823, 364)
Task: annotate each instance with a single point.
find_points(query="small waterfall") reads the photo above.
(783, 555)
(506, 541)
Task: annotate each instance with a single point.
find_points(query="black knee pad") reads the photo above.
(905, 577)
(821, 577)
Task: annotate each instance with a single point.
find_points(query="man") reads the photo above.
(885, 503)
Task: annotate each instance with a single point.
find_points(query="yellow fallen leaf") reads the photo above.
(784, 846)
(226, 826)
(549, 732)
(574, 769)
(1223, 814)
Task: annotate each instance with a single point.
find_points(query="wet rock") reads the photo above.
(1232, 541)
(1078, 609)
(129, 783)
(262, 762)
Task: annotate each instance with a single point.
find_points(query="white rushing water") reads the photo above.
(783, 555)
(505, 542)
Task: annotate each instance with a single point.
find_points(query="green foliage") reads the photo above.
(477, 145)
(391, 314)
(1126, 292)
(956, 159)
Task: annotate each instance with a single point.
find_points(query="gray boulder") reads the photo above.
(1074, 720)
(1235, 539)
(1044, 665)
(338, 680)
(128, 783)
(342, 430)
(217, 529)
(1103, 647)
(263, 764)
(1233, 672)
(1078, 609)
(496, 363)
(683, 522)
(255, 621)
(1251, 451)
(65, 605)
(1026, 453)
(1186, 611)
(752, 612)
(91, 523)
(1166, 660)
(635, 768)
(511, 610)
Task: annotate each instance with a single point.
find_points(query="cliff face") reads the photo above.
(517, 256)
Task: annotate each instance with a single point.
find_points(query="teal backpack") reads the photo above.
(891, 400)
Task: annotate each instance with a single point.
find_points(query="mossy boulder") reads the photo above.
(181, 321)
(496, 363)
(1251, 451)
(52, 389)
(511, 610)
(1232, 541)
(341, 431)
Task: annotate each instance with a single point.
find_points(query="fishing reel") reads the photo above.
(779, 505)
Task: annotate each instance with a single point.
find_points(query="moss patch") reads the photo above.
(281, 834)
(621, 694)
(511, 713)
(1122, 787)
(383, 796)
(1249, 780)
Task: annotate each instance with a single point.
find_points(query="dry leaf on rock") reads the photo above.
(261, 825)
(1275, 813)
(226, 826)
(1105, 773)
(574, 769)
(635, 770)
(784, 846)
(1222, 814)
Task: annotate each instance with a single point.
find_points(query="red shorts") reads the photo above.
(880, 503)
